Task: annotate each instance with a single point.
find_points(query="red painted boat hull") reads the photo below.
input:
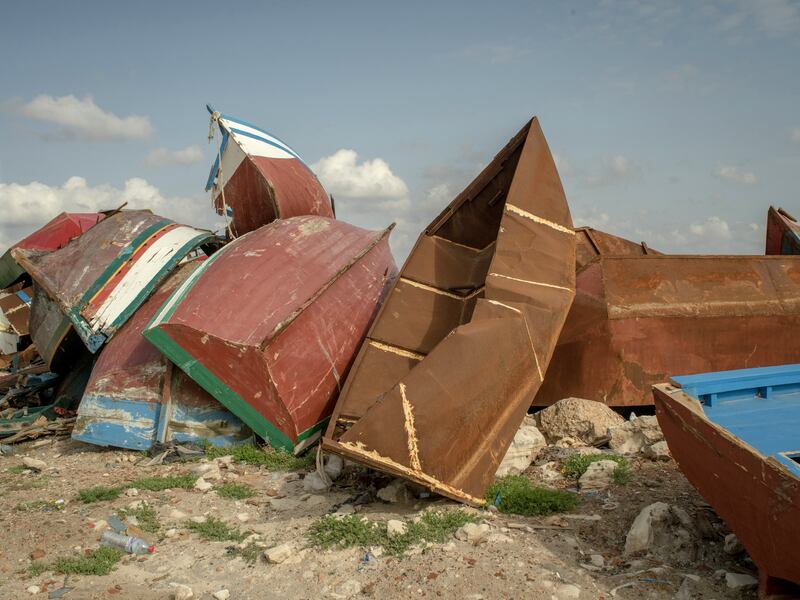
(270, 325)
(757, 498)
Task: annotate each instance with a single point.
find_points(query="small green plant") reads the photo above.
(17, 469)
(39, 505)
(517, 495)
(250, 553)
(159, 484)
(38, 567)
(216, 530)
(434, 526)
(99, 562)
(235, 491)
(146, 517)
(273, 459)
(99, 493)
(576, 465)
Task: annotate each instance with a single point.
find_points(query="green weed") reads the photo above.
(517, 495)
(99, 562)
(216, 530)
(236, 491)
(145, 515)
(17, 469)
(99, 493)
(576, 465)
(38, 567)
(273, 459)
(154, 484)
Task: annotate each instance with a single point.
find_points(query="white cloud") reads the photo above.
(794, 134)
(736, 175)
(26, 207)
(185, 156)
(346, 178)
(614, 169)
(84, 120)
(713, 228)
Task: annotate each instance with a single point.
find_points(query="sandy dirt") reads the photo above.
(543, 557)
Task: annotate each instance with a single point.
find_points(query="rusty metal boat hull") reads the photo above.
(54, 235)
(592, 243)
(269, 325)
(99, 279)
(783, 232)
(257, 178)
(734, 434)
(135, 398)
(461, 344)
(637, 321)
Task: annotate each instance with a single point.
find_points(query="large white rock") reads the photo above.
(598, 476)
(473, 532)
(34, 463)
(278, 554)
(181, 591)
(633, 436)
(395, 528)
(738, 581)
(396, 491)
(657, 451)
(525, 447)
(663, 530)
(314, 482)
(577, 418)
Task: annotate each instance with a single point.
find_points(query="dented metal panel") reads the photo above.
(135, 398)
(593, 242)
(52, 236)
(269, 325)
(460, 347)
(783, 232)
(638, 320)
(100, 278)
(260, 178)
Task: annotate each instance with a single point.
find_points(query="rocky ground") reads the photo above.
(649, 536)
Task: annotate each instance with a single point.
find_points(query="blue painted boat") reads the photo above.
(736, 437)
(135, 397)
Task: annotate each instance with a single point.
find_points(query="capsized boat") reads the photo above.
(135, 397)
(460, 347)
(96, 282)
(593, 242)
(52, 236)
(783, 232)
(637, 320)
(257, 178)
(734, 435)
(269, 325)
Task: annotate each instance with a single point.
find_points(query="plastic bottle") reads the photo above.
(126, 543)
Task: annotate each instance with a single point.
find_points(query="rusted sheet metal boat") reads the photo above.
(135, 397)
(734, 435)
(54, 235)
(461, 344)
(269, 325)
(96, 282)
(257, 178)
(593, 242)
(637, 320)
(783, 232)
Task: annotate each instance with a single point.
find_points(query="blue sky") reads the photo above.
(674, 123)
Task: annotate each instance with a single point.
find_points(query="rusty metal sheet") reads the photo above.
(135, 397)
(783, 232)
(755, 491)
(593, 242)
(54, 235)
(15, 309)
(460, 346)
(100, 278)
(269, 325)
(257, 178)
(638, 320)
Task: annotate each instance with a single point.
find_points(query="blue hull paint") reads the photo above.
(760, 406)
(134, 425)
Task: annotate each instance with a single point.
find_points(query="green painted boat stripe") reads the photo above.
(147, 290)
(313, 429)
(123, 256)
(171, 304)
(217, 388)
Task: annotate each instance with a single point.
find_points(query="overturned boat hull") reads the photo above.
(97, 281)
(54, 235)
(637, 320)
(257, 178)
(734, 436)
(135, 397)
(270, 324)
(461, 344)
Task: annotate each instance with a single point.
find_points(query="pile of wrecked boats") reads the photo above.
(297, 328)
